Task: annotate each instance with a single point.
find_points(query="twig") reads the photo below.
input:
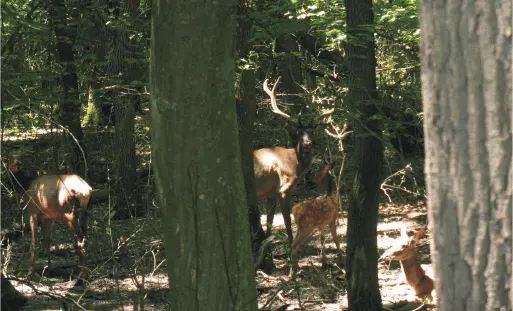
(421, 306)
(273, 296)
(53, 295)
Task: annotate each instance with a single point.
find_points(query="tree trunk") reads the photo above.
(69, 105)
(196, 153)
(290, 69)
(362, 253)
(94, 115)
(246, 110)
(126, 199)
(466, 86)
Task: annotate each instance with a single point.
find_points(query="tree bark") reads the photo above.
(126, 199)
(246, 110)
(69, 105)
(291, 71)
(362, 253)
(196, 153)
(466, 86)
(99, 46)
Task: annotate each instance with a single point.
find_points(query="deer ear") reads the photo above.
(419, 234)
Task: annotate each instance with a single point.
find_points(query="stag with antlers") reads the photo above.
(278, 170)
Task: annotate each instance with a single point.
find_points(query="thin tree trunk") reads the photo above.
(246, 110)
(291, 71)
(197, 162)
(362, 252)
(466, 86)
(127, 199)
(94, 115)
(69, 105)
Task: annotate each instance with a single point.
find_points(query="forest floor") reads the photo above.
(121, 252)
(129, 266)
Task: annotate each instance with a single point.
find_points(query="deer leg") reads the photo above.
(285, 210)
(46, 227)
(286, 184)
(301, 237)
(82, 223)
(271, 209)
(333, 229)
(323, 243)
(79, 225)
(33, 228)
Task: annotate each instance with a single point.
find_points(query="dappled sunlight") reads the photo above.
(33, 133)
(316, 281)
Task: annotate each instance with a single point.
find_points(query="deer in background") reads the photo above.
(316, 214)
(61, 198)
(278, 170)
(413, 271)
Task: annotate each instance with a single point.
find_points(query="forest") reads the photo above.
(256, 155)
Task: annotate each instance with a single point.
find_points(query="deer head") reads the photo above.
(406, 249)
(325, 182)
(20, 178)
(300, 133)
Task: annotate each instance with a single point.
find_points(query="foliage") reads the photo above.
(30, 68)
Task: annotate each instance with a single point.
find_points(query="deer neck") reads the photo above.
(304, 160)
(413, 272)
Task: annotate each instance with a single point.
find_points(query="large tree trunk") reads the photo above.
(466, 85)
(69, 105)
(196, 153)
(362, 252)
(127, 200)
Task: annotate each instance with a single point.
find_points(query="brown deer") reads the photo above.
(316, 214)
(278, 170)
(414, 273)
(61, 198)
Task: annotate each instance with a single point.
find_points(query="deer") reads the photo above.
(278, 170)
(48, 198)
(316, 214)
(416, 276)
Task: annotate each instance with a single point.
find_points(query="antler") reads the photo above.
(326, 113)
(272, 95)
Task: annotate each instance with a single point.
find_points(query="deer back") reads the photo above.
(53, 196)
(323, 209)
